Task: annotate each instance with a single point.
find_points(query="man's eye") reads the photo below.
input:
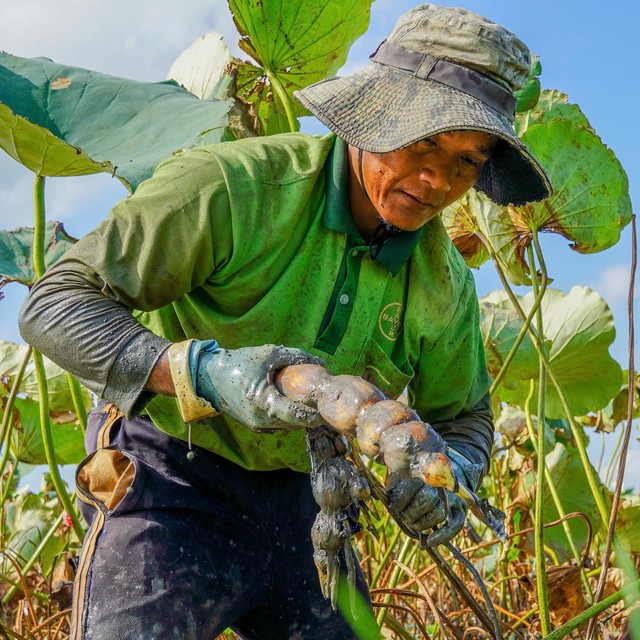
(428, 142)
(471, 162)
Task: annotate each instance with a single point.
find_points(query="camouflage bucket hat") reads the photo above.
(441, 69)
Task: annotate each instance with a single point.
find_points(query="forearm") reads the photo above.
(160, 379)
(69, 319)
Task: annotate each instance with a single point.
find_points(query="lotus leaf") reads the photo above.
(579, 327)
(590, 205)
(201, 68)
(566, 470)
(294, 44)
(65, 121)
(474, 216)
(26, 437)
(26, 523)
(529, 95)
(60, 400)
(627, 529)
(500, 325)
(16, 249)
(552, 105)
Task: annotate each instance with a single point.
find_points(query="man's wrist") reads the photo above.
(192, 407)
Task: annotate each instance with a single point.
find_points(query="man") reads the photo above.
(200, 507)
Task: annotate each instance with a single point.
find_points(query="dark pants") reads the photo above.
(184, 549)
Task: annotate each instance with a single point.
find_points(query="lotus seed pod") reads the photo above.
(343, 398)
(378, 418)
(301, 381)
(435, 469)
(400, 444)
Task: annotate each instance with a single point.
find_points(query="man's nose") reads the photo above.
(439, 175)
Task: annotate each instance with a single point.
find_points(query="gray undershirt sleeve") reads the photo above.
(471, 433)
(68, 318)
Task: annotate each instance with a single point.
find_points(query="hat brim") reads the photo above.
(380, 109)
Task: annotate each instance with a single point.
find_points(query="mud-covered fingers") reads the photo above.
(291, 414)
(415, 502)
(452, 526)
(280, 357)
(425, 511)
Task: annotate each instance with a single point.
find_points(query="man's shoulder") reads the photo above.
(280, 158)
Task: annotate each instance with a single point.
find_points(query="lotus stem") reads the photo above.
(78, 402)
(45, 421)
(395, 576)
(553, 490)
(578, 436)
(284, 98)
(38, 232)
(541, 569)
(47, 440)
(627, 432)
(7, 424)
(385, 558)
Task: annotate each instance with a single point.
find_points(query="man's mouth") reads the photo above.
(419, 201)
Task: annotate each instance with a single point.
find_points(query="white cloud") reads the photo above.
(138, 39)
(613, 284)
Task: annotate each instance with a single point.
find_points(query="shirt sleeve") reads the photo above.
(451, 387)
(160, 243)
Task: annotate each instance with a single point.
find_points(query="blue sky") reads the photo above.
(587, 50)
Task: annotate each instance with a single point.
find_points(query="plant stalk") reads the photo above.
(78, 402)
(47, 439)
(7, 424)
(627, 433)
(541, 569)
(285, 99)
(394, 577)
(575, 430)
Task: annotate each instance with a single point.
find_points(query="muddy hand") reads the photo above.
(239, 383)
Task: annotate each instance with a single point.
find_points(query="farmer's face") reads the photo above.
(410, 186)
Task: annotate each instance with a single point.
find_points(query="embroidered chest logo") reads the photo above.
(390, 321)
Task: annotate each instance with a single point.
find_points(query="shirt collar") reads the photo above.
(337, 214)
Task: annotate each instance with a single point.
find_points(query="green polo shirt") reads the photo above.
(253, 242)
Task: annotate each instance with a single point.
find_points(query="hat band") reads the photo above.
(428, 67)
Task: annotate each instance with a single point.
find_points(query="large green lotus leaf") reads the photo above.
(62, 121)
(15, 251)
(500, 326)
(552, 105)
(628, 527)
(30, 520)
(567, 472)
(293, 44)
(60, 399)
(203, 68)
(26, 437)
(590, 204)
(529, 95)
(474, 216)
(579, 329)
